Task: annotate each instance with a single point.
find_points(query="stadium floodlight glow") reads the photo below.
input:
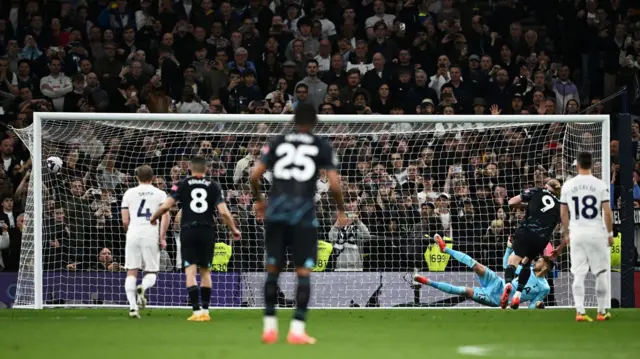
(524, 149)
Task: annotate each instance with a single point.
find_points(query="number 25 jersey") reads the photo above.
(294, 160)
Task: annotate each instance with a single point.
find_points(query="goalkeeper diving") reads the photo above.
(491, 285)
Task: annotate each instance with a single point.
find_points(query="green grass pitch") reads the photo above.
(348, 334)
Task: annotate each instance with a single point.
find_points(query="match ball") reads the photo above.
(54, 164)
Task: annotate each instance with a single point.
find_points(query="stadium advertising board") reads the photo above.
(337, 289)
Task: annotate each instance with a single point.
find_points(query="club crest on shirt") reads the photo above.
(265, 150)
(174, 188)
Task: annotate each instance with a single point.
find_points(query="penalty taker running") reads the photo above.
(142, 249)
(531, 238)
(585, 203)
(200, 197)
(491, 285)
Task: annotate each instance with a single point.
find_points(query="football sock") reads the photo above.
(303, 294)
(601, 291)
(578, 292)
(193, 298)
(149, 281)
(523, 277)
(461, 257)
(205, 297)
(271, 294)
(270, 323)
(509, 273)
(130, 289)
(448, 288)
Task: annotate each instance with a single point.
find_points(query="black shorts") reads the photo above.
(528, 244)
(196, 246)
(299, 241)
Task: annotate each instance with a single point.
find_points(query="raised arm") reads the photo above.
(516, 201)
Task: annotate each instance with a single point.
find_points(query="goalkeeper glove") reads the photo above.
(509, 242)
(540, 305)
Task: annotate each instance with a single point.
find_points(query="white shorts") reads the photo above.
(588, 252)
(142, 253)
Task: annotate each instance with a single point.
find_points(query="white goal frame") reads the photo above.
(37, 158)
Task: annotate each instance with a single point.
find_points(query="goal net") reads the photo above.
(404, 181)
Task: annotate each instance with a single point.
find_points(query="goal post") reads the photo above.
(400, 174)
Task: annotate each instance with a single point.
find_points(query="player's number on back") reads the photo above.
(144, 212)
(548, 203)
(301, 157)
(588, 210)
(199, 200)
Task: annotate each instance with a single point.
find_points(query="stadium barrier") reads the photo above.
(233, 290)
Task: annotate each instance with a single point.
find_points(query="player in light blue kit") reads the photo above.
(491, 285)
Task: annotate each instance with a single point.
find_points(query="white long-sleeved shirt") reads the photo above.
(60, 86)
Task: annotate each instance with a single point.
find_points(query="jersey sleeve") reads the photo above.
(527, 194)
(162, 195)
(604, 193)
(126, 199)
(176, 189)
(267, 156)
(218, 194)
(326, 159)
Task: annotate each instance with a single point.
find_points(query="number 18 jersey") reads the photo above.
(294, 160)
(199, 197)
(584, 195)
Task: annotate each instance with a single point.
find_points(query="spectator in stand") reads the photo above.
(56, 85)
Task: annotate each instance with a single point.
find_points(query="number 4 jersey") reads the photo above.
(294, 160)
(142, 201)
(543, 212)
(199, 197)
(584, 195)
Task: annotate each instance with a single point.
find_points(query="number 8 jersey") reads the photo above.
(584, 195)
(199, 197)
(295, 160)
(543, 212)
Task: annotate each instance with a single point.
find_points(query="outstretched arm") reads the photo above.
(538, 301)
(166, 206)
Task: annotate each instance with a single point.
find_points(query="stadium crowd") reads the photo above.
(345, 57)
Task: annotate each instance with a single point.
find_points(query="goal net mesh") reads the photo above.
(403, 183)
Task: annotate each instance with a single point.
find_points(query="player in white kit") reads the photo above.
(142, 251)
(585, 203)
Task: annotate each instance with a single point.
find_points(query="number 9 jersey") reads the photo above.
(295, 160)
(584, 196)
(199, 197)
(543, 212)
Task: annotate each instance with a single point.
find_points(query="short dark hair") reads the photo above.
(549, 262)
(305, 114)
(584, 160)
(144, 173)
(198, 163)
